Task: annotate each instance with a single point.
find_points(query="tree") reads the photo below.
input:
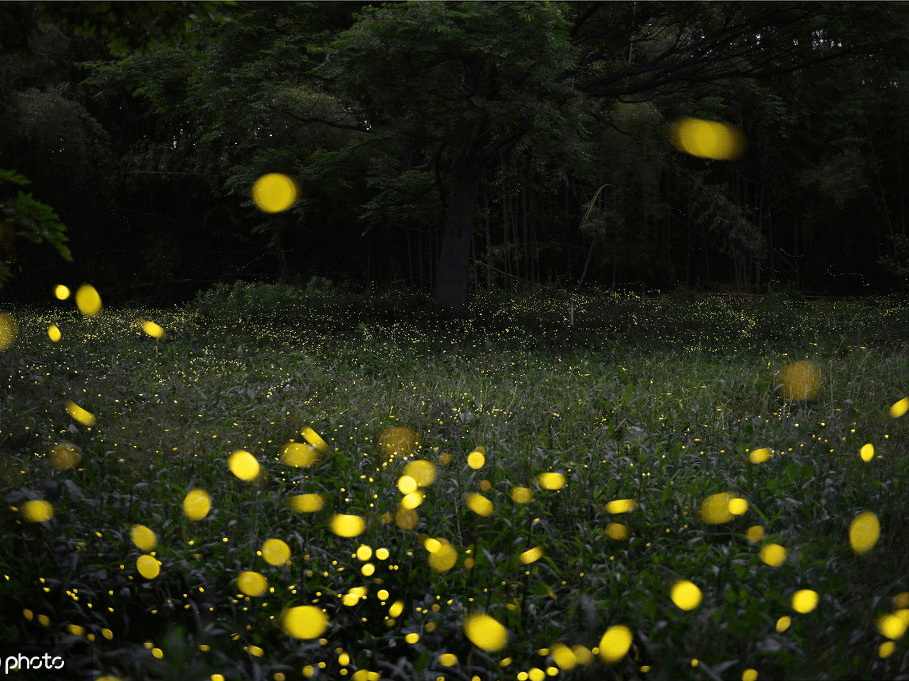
(459, 84)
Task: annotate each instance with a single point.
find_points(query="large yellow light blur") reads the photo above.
(864, 532)
(707, 139)
(8, 330)
(274, 193)
(87, 300)
(143, 537)
(84, 417)
(615, 643)
(304, 621)
(799, 381)
(197, 504)
(243, 465)
(346, 525)
(485, 632)
(686, 595)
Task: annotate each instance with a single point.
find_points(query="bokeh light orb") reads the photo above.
(87, 300)
(143, 537)
(485, 632)
(274, 192)
(799, 381)
(8, 330)
(66, 455)
(243, 465)
(304, 621)
(707, 139)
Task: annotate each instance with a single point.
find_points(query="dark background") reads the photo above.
(143, 126)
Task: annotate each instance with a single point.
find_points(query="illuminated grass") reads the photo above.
(549, 480)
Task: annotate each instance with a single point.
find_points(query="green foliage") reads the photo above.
(656, 399)
(30, 219)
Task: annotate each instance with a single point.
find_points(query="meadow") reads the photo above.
(565, 485)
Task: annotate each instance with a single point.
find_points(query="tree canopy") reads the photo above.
(456, 145)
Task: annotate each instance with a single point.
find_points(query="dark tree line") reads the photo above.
(451, 145)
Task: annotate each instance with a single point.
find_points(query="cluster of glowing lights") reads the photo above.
(798, 381)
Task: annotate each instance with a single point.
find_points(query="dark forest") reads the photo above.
(452, 147)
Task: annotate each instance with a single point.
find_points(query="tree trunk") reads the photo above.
(454, 260)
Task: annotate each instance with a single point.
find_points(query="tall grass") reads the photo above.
(656, 400)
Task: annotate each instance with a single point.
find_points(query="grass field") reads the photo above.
(588, 509)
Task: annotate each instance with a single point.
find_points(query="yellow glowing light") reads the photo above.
(304, 621)
(715, 509)
(485, 632)
(347, 525)
(243, 465)
(754, 533)
(152, 329)
(738, 506)
(867, 452)
(448, 660)
(274, 193)
(551, 480)
(66, 455)
(899, 408)
(521, 495)
(444, 558)
(87, 300)
(8, 330)
(893, 626)
(406, 518)
(148, 566)
(313, 438)
(804, 600)
(298, 454)
(707, 139)
(81, 415)
(412, 637)
(773, 555)
(252, 583)
(615, 643)
(143, 537)
(618, 531)
(37, 510)
(799, 381)
(864, 532)
(306, 503)
(759, 455)
(407, 484)
(364, 552)
(479, 504)
(197, 504)
(61, 292)
(275, 552)
(531, 555)
(563, 656)
(782, 624)
(424, 472)
(476, 460)
(686, 595)
(397, 441)
(749, 675)
(396, 609)
(54, 333)
(886, 649)
(412, 500)
(621, 506)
